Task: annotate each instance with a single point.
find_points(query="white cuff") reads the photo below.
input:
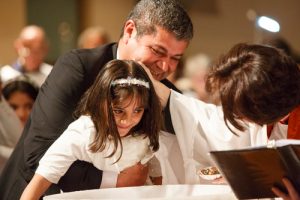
(109, 179)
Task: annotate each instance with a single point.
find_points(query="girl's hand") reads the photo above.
(36, 188)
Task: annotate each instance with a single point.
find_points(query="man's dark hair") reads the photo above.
(167, 14)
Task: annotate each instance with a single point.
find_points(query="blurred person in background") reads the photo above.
(92, 37)
(31, 47)
(193, 81)
(283, 44)
(20, 93)
(10, 130)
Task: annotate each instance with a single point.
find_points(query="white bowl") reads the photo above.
(202, 173)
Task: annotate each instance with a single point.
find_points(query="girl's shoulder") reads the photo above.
(84, 122)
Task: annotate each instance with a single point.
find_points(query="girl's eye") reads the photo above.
(117, 111)
(139, 110)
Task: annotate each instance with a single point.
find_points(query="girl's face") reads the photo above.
(22, 104)
(127, 115)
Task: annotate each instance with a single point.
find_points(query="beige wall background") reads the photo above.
(12, 19)
(219, 24)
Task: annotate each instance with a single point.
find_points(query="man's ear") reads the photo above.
(129, 31)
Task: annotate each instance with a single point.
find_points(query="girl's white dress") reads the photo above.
(74, 143)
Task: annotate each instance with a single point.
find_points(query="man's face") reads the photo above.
(160, 52)
(32, 53)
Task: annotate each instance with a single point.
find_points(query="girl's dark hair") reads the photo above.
(20, 84)
(98, 99)
(255, 82)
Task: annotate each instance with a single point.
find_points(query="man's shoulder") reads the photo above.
(104, 50)
(91, 59)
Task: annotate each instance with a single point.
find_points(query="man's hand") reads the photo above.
(133, 176)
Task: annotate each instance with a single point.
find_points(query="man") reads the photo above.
(155, 33)
(32, 48)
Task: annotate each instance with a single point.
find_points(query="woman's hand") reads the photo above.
(292, 193)
(162, 91)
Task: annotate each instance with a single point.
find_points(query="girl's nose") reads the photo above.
(123, 121)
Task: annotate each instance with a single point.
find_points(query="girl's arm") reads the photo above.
(36, 188)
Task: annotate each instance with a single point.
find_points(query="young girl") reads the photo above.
(118, 125)
(21, 93)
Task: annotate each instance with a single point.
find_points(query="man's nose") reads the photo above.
(164, 65)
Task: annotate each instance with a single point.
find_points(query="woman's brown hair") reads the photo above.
(257, 83)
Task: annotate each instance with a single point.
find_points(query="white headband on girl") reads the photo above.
(130, 81)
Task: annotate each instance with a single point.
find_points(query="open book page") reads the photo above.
(283, 142)
(271, 144)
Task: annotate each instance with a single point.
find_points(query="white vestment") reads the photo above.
(200, 128)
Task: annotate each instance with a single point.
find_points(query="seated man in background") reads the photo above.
(31, 47)
(195, 71)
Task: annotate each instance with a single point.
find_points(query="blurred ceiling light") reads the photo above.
(268, 24)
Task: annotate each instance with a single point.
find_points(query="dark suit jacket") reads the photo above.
(53, 110)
